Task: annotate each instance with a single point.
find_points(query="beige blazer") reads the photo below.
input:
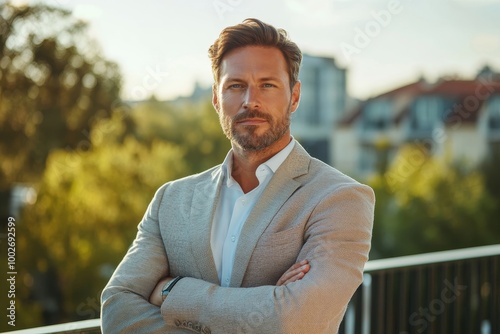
(308, 211)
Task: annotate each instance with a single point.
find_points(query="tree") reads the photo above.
(193, 126)
(85, 218)
(54, 84)
(489, 168)
(427, 204)
(90, 202)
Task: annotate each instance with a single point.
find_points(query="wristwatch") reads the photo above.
(168, 287)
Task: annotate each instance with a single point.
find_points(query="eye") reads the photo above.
(268, 85)
(236, 86)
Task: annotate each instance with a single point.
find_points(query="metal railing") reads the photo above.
(79, 327)
(444, 292)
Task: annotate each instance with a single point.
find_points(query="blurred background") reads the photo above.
(102, 102)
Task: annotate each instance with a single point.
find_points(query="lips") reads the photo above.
(251, 121)
(252, 117)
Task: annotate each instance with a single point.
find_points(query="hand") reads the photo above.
(156, 297)
(294, 273)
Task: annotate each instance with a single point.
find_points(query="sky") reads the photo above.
(161, 46)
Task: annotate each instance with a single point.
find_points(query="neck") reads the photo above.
(245, 164)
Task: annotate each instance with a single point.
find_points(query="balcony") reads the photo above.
(80, 327)
(444, 292)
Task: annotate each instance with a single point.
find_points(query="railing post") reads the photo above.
(350, 319)
(366, 304)
(485, 327)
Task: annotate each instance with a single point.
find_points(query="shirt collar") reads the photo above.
(273, 163)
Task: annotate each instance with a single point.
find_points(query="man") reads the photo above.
(271, 241)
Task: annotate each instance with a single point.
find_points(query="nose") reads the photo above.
(251, 99)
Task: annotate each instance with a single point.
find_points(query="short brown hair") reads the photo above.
(255, 32)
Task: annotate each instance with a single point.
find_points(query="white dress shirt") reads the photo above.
(233, 209)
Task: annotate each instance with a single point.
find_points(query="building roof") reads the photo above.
(466, 98)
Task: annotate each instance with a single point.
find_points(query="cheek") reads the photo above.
(229, 104)
(281, 99)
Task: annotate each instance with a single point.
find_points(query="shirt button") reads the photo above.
(233, 238)
(227, 280)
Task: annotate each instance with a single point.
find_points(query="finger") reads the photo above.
(296, 268)
(302, 269)
(293, 270)
(294, 278)
(299, 275)
(292, 275)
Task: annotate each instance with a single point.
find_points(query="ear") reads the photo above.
(215, 99)
(295, 96)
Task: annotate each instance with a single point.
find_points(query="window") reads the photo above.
(494, 113)
(367, 159)
(426, 112)
(376, 115)
(318, 148)
(494, 149)
(315, 112)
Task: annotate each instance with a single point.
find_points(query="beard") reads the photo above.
(246, 135)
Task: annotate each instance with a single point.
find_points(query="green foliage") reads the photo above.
(489, 168)
(88, 207)
(428, 204)
(95, 162)
(91, 200)
(54, 84)
(194, 126)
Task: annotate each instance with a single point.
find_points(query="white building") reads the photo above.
(322, 103)
(458, 117)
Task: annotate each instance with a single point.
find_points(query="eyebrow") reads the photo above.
(234, 80)
(261, 79)
(269, 79)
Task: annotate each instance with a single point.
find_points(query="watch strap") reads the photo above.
(168, 287)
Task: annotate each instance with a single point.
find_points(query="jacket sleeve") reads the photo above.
(337, 242)
(125, 299)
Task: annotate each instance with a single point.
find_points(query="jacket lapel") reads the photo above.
(205, 197)
(279, 189)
